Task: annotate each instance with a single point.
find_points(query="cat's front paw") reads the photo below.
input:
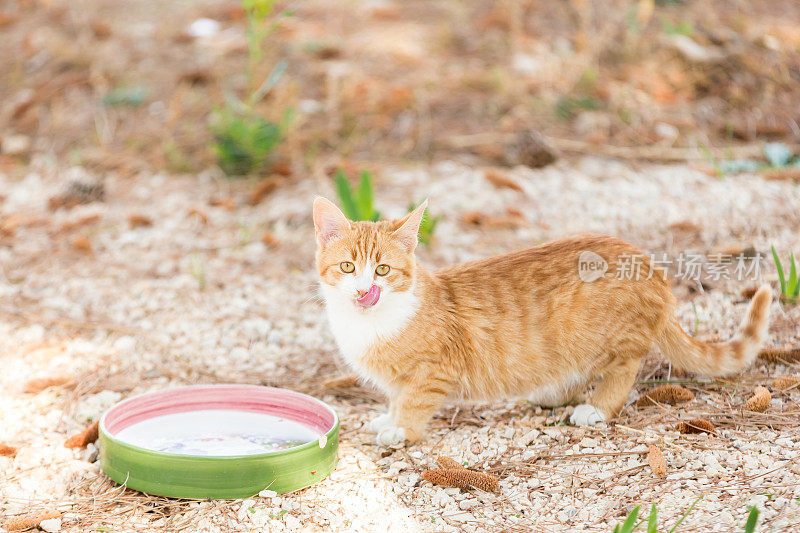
(586, 415)
(380, 422)
(389, 436)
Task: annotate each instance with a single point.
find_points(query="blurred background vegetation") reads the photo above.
(266, 88)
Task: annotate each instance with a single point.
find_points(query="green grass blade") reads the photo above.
(652, 522)
(345, 194)
(689, 510)
(365, 197)
(752, 520)
(779, 266)
(630, 522)
(792, 284)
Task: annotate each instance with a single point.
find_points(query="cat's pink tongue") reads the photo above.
(370, 298)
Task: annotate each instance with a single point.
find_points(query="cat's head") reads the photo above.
(365, 262)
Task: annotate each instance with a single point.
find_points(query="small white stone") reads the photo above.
(465, 505)
(51, 525)
(16, 144)
(203, 27)
(266, 493)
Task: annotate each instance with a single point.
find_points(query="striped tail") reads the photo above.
(719, 358)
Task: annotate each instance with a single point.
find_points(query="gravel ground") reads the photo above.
(198, 297)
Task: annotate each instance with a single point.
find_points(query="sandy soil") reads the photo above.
(197, 297)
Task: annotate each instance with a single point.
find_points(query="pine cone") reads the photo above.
(697, 425)
(656, 460)
(785, 382)
(462, 478)
(669, 394)
(759, 401)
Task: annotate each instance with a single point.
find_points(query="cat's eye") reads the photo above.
(347, 266)
(382, 270)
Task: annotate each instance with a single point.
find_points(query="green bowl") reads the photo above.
(191, 473)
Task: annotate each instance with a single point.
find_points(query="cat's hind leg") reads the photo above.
(611, 393)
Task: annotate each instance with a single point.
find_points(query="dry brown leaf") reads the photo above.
(684, 226)
(82, 244)
(270, 240)
(6, 19)
(656, 460)
(749, 292)
(462, 478)
(759, 401)
(199, 213)
(501, 179)
(780, 355)
(10, 224)
(533, 150)
(791, 173)
(85, 437)
(347, 381)
(29, 520)
(785, 382)
(282, 168)
(669, 394)
(697, 425)
(447, 462)
(479, 218)
(227, 203)
(39, 384)
(7, 450)
(80, 222)
(136, 220)
(261, 191)
(101, 29)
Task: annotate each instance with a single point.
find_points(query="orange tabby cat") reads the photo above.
(519, 324)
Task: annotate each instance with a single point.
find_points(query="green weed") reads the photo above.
(567, 106)
(790, 285)
(243, 140)
(358, 204)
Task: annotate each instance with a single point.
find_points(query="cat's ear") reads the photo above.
(408, 231)
(329, 221)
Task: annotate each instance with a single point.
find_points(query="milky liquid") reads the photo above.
(217, 432)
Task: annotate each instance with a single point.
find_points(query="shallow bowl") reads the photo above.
(173, 442)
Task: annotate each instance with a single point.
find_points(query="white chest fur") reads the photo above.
(356, 330)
